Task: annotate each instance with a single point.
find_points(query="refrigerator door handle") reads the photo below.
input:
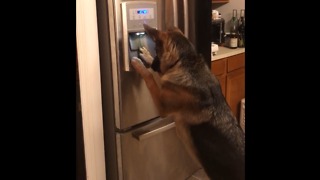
(175, 13)
(185, 18)
(155, 128)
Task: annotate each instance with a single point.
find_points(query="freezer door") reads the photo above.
(154, 152)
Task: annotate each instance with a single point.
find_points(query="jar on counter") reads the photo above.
(233, 42)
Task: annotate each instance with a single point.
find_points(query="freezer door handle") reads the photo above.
(153, 129)
(185, 16)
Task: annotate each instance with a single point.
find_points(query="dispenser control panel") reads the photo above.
(137, 13)
(134, 15)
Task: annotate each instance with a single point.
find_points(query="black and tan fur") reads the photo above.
(192, 96)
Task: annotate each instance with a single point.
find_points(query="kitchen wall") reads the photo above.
(226, 10)
(90, 88)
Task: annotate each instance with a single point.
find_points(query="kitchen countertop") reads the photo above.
(224, 52)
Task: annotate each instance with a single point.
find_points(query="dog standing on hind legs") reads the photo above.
(192, 97)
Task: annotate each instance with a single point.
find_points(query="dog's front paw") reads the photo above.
(136, 59)
(146, 56)
(138, 65)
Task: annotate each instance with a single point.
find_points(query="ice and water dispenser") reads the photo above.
(134, 15)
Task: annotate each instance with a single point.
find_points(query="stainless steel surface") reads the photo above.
(119, 156)
(161, 126)
(125, 42)
(137, 105)
(186, 18)
(160, 157)
(175, 13)
(114, 63)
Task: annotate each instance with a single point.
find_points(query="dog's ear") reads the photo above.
(152, 32)
(175, 29)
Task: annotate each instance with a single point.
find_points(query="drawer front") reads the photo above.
(158, 157)
(236, 62)
(218, 67)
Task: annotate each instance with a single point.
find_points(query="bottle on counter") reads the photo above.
(241, 29)
(234, 30)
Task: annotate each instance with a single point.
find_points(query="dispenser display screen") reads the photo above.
(143, 11)
(139, 14)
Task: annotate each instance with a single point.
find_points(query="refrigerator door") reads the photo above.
(154, 152)
(136, 102)
(133, 101)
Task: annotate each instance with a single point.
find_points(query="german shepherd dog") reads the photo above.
(191, 95)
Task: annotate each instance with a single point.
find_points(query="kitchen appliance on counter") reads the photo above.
(217, 29)
(214, 48)
(138, 143)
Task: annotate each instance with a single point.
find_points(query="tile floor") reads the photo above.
(199, 175)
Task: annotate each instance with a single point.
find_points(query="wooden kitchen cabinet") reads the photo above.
(235, 90)
(223, 81)
(219, 68)
(230, 72)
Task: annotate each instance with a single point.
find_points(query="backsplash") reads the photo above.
(226, 10)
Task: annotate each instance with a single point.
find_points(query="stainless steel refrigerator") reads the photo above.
(140, 145)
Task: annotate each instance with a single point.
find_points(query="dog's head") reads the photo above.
(171, 48)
